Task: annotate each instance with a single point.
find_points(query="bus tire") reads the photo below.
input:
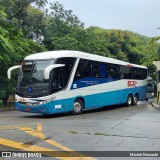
(129, 100)
(77, 107)
(135, 99)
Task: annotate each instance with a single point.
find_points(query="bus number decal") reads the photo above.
(132, 83)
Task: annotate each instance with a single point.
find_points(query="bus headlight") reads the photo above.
(39, 103)
(43, 102)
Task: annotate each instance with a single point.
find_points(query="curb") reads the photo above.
(7, 109)
(156, 105)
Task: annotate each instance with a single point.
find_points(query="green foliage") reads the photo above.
(151, 52)
(152, 71)
(63, 43)
(23, 15)
(124, 45)
(59, 14)
(14, 46)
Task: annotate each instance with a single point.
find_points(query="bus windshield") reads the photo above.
(31, 81)
(31, 77)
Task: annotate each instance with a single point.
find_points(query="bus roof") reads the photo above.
(77, 54)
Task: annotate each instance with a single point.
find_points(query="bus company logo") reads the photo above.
(132, 83)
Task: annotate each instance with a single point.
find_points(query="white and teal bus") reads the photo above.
(72, 81)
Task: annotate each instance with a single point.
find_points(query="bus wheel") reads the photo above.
(135, 99)
(129, 100)
(77, 107)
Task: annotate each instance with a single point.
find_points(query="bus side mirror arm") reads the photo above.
(10, 70)
(49, 68)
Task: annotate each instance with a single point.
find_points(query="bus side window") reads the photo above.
(95, 71)
(78, 74)
(103, 71)
(121, 75)
(58, 80)
(113, 72)
(87, 71)
(98, 70)
(61, 79)
(83, 70)
(69, 63)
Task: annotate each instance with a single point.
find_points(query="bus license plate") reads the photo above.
(27, 109)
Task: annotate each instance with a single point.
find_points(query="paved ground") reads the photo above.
(116, 128)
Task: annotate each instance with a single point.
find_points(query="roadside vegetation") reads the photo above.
(32, 26)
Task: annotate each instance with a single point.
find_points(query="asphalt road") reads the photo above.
(116, 128)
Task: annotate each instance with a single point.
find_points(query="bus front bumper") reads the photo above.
(48, 108)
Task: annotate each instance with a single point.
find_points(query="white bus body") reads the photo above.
(70, 81)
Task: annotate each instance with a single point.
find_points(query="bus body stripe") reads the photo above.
(91, 101)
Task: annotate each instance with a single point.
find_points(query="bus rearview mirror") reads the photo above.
(49, 68)
(10, 70)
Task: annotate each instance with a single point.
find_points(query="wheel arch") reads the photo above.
(136, 94)
(130, 94)
(82, 99)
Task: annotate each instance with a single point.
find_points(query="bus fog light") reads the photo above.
(44, 102)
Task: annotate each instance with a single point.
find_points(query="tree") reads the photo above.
(23, 15)
(152, 71)
(151, 52)
(59, 14)
(14, 45)
(123, 45)
(60, 23)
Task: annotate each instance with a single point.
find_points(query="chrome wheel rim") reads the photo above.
(129, 100)
(77, 107)
(135, 99)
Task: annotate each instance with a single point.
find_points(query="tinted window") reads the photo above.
(133, 72)
(83, 69)
(113, 71)
(94, 69)
(61, 75)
